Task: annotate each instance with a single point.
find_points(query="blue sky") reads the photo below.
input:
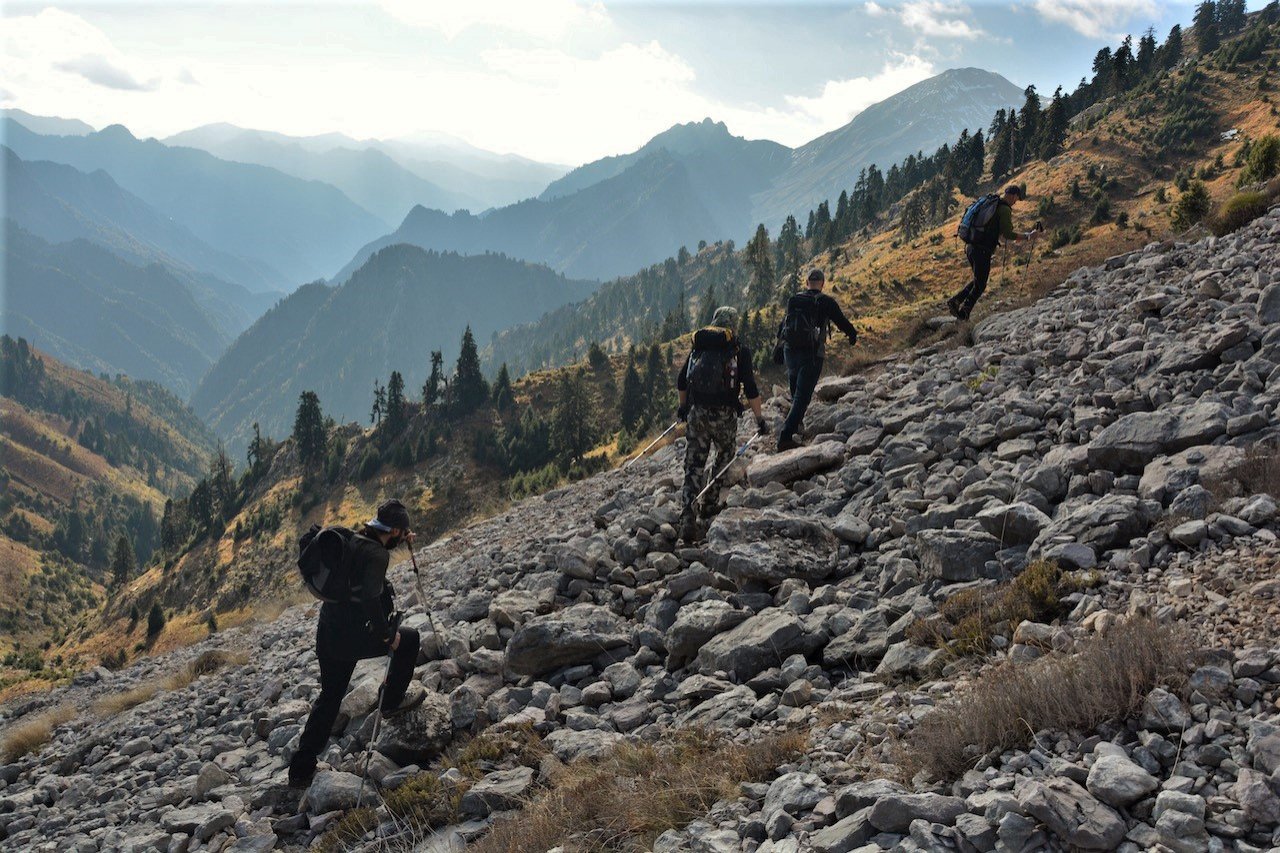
(555, 80)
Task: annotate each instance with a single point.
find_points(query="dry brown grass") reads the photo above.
(206, 663)
(1260, 473)
(347, 830)
(118, 703)
(625, 800)
(29, 735)
(968, 620)
(1106, 679)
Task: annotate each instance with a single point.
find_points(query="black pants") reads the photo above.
(980, 261)
(335, 675)
(803, 370)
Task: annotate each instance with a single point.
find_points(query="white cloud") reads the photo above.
(1095, 18)
(544, 19)
(841, 100)
(874, 9)
(54, 47)
(938, 19)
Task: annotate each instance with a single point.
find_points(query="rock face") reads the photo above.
(1123, 426)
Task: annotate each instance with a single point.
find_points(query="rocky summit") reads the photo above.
(1122, 429)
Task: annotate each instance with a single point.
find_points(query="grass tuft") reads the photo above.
(28, 736)
(1107, 679)
(205, 664)
(345, 832)
(623, 801)
(118, 703)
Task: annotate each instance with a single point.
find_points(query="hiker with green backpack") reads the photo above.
(985, 222)
(802, 346)
(711, 383)
(347, 570)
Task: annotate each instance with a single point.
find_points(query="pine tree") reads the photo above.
(1102, 70)
(657, 384)
(308, 429)
(759, 257)
(470, 390)
(1146, 52)
(1231, 16)
(1171, 53)
(596, 357)
(431, 390)
(632, 404)
(573, 430)
(396, 409)
(221, 485)
(503, 397)
(1122, 65)
(123, 562)
(1206, 24)
(379, 403)
(1003, 162)
(1056, 123)
(169, 534)
(155, 621)
(1029, 123)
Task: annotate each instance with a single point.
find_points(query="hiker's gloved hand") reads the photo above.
(762, 427)
(853, 338)
(682, 413)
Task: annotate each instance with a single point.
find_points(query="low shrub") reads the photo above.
(1239, 211)
(1106, 679)
(1191, 207)
(347, 831)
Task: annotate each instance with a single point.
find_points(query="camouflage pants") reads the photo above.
(708, 427)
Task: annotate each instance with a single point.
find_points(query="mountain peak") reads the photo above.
(116, 132)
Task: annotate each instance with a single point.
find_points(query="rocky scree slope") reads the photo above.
(1110, 426)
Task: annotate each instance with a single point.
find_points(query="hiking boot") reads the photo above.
(688, 532)
(956, 308)
(301, 779)
(413, 697)
(787, 442)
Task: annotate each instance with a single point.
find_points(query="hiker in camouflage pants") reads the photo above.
(708, 427)
(711, 384)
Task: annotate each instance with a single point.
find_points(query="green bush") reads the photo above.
(1101, 212)
(1239, 211)
(1263, 162)
(155, 621)
(1192, 207)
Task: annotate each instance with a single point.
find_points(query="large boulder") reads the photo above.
(895, 812)
(697, 623)
(417, 736)
(764, 640)
(957, 555)
(333, 790)
(501, 790)
(1013, 524)
(1165, 478)
(1109, 522)
(771, 546)
(795, 464)
(862, 646)
(1119, 782)
(572, 636)
(1130, 443)
(1071, 813)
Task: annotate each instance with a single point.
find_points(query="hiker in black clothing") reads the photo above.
(803, 338)
(716, 374)
(363, 627)
(983, 246)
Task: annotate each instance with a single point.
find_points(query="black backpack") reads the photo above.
(978, 220)
(801, 330)
(324, 562)
(713, 366)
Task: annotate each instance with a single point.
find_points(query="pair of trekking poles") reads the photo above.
(741, 450)
(396, 618)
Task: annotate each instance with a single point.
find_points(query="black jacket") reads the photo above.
(360, 628)
(823, 310)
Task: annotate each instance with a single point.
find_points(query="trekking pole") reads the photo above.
(720, 473)
(422, 599)
(377, 714)
(665, 433)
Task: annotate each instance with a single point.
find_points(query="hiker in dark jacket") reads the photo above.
(803, 336)
(980, 252)
(711, 403)
(363, 627)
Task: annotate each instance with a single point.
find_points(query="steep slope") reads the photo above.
(85, 462)
(609, 228)
(1022, 464)
(369, 177)
(294, 230)
(403, 303)
(59, 203)
(919, 118)
(88, 307)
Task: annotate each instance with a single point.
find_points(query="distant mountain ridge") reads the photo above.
(294, 230)
(919, 118)
(392, 312)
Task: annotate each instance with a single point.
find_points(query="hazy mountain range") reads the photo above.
(392, 312)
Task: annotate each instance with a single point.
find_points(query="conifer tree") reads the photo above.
(1054, 130)
(397, 409)
(632, 404)
(1171, 52)
(1206, 24)
(379, 403)
(308, 429)
(573, 430)
(707, 308)
(155, 621)
(470, 390)
(1122, 65)
(1029, 125)
(760, 259)
(503, 397)
(1146, 58)
(431, 389)
(123, 562)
